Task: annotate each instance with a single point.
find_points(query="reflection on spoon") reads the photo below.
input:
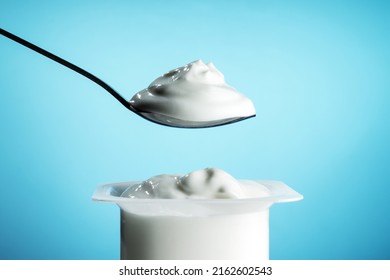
(192, 96)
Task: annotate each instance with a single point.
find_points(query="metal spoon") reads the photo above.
(153, 117)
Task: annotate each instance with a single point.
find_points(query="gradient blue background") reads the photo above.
(318, 74)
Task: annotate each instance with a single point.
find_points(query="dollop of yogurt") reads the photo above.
(194, 92)
(209, 183)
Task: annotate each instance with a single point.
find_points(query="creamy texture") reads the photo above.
(205, 183)
(195, 92)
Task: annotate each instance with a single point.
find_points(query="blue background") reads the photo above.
(318, 74)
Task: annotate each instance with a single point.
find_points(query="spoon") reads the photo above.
(151, 116)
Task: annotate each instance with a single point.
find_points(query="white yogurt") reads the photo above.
(205, 183)
(187, 217)
(197, 236)
(194, 92)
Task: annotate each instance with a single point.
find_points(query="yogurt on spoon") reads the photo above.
(182, 93)
(196, 93)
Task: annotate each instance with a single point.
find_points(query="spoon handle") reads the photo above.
(58, 59)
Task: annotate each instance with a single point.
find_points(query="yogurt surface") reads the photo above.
(208, 183)
(194, 92)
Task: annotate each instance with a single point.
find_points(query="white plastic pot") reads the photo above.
(189, 229)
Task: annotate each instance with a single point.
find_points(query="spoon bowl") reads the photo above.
(174, 122)
(148, 115)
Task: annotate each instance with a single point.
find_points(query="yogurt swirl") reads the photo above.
(194, 92)
(209, 183)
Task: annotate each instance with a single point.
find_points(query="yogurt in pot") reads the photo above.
(206, 214)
